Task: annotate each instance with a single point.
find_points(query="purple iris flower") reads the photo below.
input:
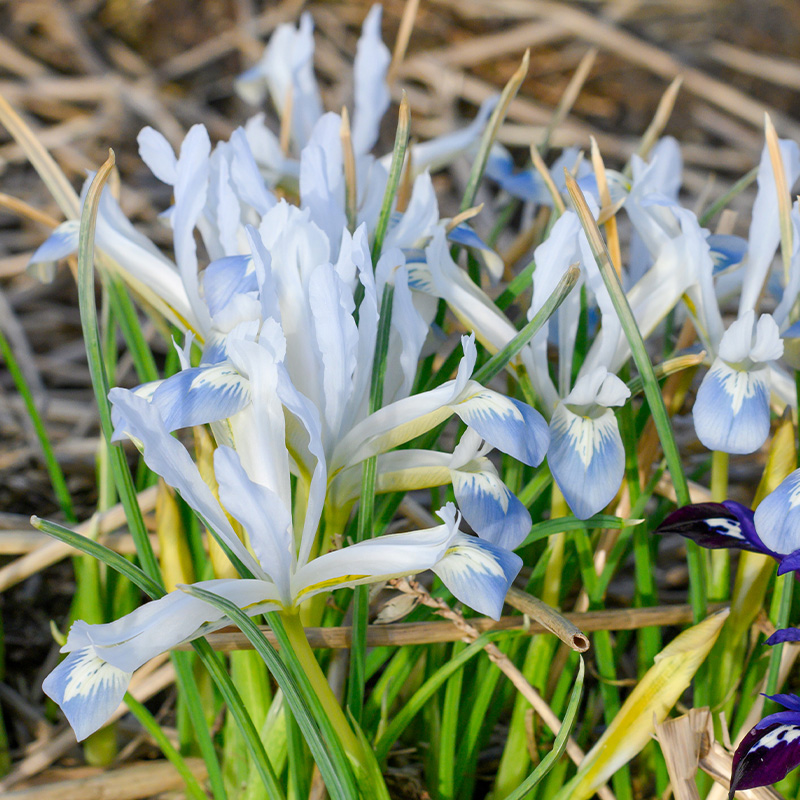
(717, 525)
(773, 528)
(771, 750)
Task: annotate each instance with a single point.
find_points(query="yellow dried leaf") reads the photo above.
(648, 704)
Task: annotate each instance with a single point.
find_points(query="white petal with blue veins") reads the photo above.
(731, 412)
(478, 573)
(777, 518)
(587, 459)
(87, 688)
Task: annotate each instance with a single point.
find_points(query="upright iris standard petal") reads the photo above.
(587, 458)
(262, 514)
(777, 518)
(731, 412)
(87, 688)
(372, 96)
(771, 750)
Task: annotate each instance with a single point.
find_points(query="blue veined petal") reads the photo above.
(507, 424)
(726, 251)
(731, 413)
(478, 573)
(529, 186)
(419, 276)
(777, 518)
(493, 511)
(464, 235)
(167, 457)
(62, 242)
(225, 277)
(200, 395)
(215, 348)
(770, 750)
(88, 690)
(587, 459)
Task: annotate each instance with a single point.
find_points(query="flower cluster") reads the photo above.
(280, 330)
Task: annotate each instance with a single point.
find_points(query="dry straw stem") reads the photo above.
(399, 634)
(569, 96)
(52, 552)
(403, 37)
(123, 783)
(631, 48)
(469, 633)
(549, 618)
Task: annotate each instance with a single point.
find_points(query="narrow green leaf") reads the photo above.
(652, 390)
(490, 133)
(148, 722)
(500, 360)
(541, 530)
(395, 172)
(91, 336)
(416, 702)
(560, 743)
(57, 479)
(329, 755)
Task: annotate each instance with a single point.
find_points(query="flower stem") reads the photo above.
(719, 584)
(305, 655)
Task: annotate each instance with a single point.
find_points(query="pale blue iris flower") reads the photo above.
(255, 490)
(732, 410)
(291, 283)
(286, 71)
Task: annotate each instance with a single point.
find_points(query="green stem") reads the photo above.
(719, 584)
(305, 656)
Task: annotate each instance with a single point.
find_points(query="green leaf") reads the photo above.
(560, 743)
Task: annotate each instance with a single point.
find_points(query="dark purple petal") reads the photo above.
(767, 753)
(784, 635)
(715, 525)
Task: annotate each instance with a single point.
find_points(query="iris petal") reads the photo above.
(731, 413)
(587, 459)
(87, 688)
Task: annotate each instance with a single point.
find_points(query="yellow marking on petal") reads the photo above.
(329, 584)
